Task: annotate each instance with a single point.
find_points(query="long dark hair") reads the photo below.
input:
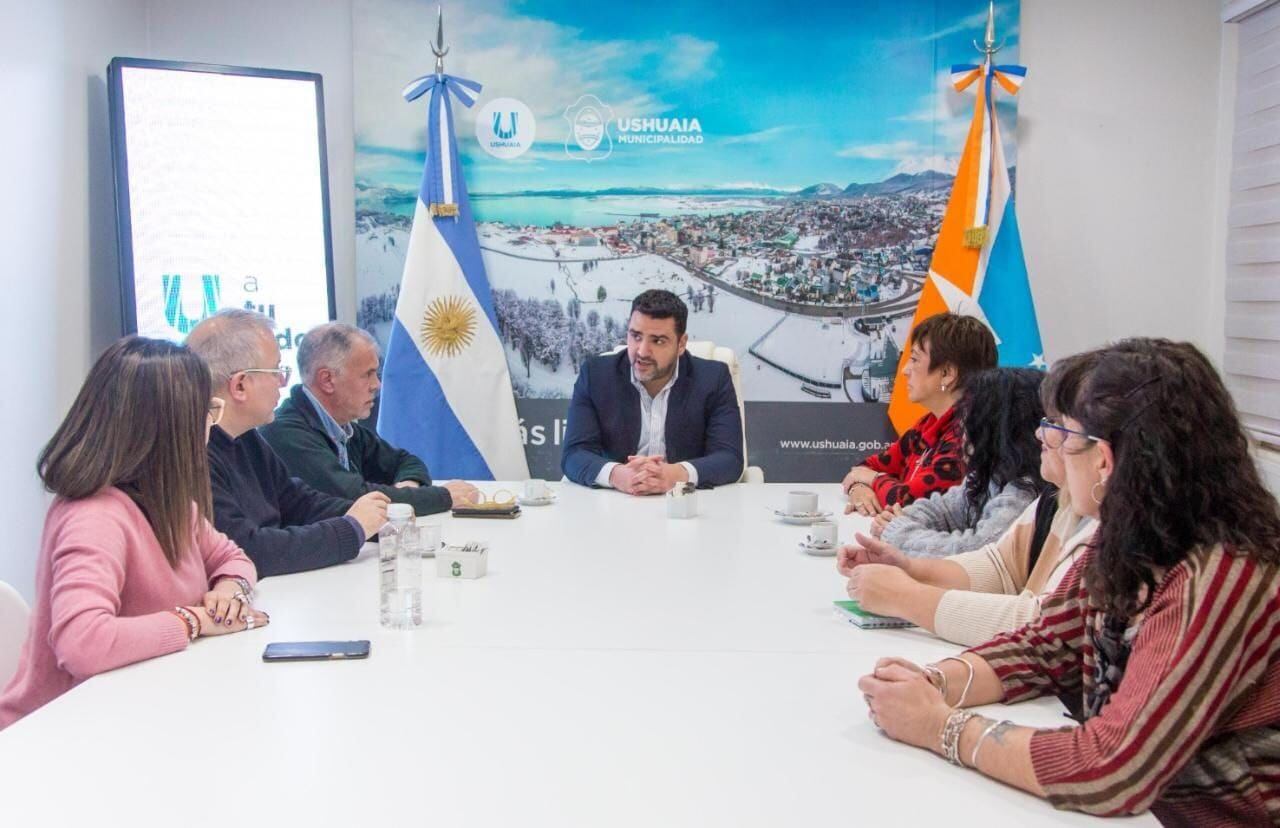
(1183, 476)
(138, 424)
(1000, 410)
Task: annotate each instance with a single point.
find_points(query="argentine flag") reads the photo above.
(446, 392)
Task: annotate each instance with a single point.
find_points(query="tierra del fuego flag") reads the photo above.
(446, 392)
(977, 266)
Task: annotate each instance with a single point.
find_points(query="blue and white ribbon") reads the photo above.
(437, 177)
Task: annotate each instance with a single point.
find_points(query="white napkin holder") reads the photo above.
(682, 501)
(468, 560)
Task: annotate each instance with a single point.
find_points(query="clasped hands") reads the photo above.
(226, 609)
(647, 475)
(903, 703)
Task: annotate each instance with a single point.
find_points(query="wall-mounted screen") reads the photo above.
(221, 197)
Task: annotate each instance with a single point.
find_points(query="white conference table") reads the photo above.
(615, 667)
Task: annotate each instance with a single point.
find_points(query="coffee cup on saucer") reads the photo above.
(536, 489)
(822, 535)
(802, 503)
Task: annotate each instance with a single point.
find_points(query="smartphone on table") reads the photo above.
(315, 650)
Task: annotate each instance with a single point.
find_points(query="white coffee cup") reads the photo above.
(822, 533)
(536, 489)
(802, 503)
(682, 501)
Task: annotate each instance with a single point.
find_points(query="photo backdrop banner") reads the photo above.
(785, 173)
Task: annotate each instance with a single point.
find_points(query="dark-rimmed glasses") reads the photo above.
(1055, 434)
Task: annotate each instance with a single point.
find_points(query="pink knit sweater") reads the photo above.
(102, 590)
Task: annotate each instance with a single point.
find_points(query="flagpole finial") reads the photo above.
(989, 46)
(438, 48)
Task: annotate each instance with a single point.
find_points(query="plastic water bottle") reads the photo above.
(400, 565)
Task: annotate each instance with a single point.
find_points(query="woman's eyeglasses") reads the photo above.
(1053, 435)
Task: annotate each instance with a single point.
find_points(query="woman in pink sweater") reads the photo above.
(130, 567)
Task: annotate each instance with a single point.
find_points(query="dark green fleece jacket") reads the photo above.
(299, 437)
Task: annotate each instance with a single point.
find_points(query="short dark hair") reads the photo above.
(662, 304)
(963, 342)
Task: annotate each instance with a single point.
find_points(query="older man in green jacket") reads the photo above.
(317, 435)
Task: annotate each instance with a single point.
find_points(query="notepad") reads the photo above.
(856, 615)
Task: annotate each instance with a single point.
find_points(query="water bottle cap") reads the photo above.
(399, 511)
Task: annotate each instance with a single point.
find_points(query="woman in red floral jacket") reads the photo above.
(929, 457)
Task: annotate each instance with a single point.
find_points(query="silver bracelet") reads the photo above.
(950, 736)
(973, 757)
(964, 694)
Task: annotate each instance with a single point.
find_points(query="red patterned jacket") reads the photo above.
(927, 458)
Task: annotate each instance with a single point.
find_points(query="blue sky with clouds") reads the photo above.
(787, 94)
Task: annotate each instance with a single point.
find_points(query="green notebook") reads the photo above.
(856, 615)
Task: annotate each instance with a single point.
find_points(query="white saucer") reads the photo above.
(801, 518)
(538, 501)
(431, 553)
(819, 551)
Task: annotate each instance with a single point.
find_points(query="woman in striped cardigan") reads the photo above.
(1163, 639)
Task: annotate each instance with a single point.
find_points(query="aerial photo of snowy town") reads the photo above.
(814, 290)
(604, 157)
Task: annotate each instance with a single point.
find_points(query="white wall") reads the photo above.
(57, 222)
(1118, 155)
(57, 234)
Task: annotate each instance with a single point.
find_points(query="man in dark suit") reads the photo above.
(645, 419)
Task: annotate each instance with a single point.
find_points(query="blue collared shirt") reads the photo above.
(339, 434)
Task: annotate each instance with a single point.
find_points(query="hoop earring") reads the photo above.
(1093, 492)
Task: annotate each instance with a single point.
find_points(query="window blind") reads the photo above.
(1251, 358)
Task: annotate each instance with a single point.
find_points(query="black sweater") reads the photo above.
(282, 524)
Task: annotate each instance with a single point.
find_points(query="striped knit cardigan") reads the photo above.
(1192, 732)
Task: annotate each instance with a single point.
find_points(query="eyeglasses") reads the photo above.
(501, 499)
(217, 405)
(283, 373)
(1054, 435)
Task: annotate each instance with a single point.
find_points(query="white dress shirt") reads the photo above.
(653, 427)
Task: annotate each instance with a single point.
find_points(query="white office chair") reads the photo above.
(705, 349)
(13, 630)
(709, 350)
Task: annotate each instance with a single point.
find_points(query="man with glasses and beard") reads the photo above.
(282, 524)
(651, 417)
